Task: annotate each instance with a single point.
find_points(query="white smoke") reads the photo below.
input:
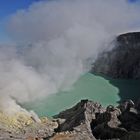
(55, 41)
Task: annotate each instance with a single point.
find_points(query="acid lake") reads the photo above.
(97, 88)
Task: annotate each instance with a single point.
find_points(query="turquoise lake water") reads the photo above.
(97, 88)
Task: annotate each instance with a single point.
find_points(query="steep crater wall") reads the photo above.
(123, 61)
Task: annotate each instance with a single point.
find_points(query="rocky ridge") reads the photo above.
(90, 121)
(87, 120)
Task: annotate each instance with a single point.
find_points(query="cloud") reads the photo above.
(47, 20)
(55, 41)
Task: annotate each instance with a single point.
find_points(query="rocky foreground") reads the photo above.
(87, 120)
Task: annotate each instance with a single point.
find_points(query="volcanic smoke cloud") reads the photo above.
(56, 43)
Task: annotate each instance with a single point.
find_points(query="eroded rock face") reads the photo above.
(123, 61)
(79, 118)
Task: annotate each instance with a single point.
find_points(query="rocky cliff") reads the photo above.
(123, 61)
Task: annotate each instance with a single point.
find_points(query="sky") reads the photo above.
(8, 7)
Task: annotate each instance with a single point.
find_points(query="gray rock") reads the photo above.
(132, 136)
(92, 120)
(79, 117)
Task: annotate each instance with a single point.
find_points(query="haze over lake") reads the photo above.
(89, 86)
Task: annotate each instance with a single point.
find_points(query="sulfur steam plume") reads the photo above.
(56, 42)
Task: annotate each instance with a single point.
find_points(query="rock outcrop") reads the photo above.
(123, 61)
(78, 119)
(89, 121)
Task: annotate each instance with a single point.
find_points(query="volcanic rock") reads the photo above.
(87, 120)
(123, 61)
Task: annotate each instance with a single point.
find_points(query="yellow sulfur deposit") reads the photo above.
(44, 120)
(15, 121)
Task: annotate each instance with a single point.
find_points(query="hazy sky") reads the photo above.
(8, 7)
